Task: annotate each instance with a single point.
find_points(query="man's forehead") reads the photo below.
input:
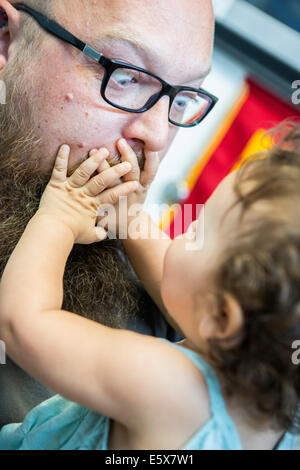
(189, 12)
(177, 33)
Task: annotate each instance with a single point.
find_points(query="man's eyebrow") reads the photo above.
(125, 37)
(140, 47)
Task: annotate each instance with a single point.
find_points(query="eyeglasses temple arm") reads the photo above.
(52, 27)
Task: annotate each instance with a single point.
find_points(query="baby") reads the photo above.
(232, 383)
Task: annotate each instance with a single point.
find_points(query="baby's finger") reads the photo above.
(60, 169)
(83, 173)
(100, 182)
(128, 155)
(103, 166)
(150, 168)
(112, 196)
(101, 233)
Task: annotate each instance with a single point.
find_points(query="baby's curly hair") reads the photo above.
(261, 269)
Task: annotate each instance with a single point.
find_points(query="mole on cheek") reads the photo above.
(69, 97)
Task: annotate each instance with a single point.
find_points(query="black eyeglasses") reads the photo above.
(134, 89)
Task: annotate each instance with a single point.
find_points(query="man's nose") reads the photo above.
(151, 127)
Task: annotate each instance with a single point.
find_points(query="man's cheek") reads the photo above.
(173, 131)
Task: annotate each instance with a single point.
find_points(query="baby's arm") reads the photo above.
(146, 246)
(32, 279)
(147, 258)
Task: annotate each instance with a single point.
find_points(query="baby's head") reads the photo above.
(237, 300)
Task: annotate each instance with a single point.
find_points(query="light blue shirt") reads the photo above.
(59, 424)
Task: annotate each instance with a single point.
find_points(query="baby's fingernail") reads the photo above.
(104, 151)
(65, 148)
(92, 152)
(123, 142)
(126, 165)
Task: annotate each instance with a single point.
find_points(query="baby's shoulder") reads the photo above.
(183, 401)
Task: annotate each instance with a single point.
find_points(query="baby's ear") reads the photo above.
(232, 315)
(9, 24)
(225, 323)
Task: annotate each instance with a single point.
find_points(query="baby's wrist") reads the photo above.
(55, 220)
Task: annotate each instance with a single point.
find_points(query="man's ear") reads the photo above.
(223, 324)
(9, 24)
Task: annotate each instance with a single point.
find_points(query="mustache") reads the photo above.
(113, 159)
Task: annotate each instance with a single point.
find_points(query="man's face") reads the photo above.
(175, 42)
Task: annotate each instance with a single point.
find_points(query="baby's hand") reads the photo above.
(143, 179)
(76, 200)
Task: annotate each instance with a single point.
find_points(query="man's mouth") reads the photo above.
(116, 159)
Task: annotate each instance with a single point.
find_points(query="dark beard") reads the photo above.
(99, 282)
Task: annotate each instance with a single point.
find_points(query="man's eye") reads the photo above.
(123, 79)
(183, 100)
